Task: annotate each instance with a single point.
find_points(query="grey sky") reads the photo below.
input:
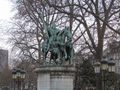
(5, 16)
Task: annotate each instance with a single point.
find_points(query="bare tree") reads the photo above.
(29, 32)
(96, 18)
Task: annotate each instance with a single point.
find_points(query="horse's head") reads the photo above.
(45, 47)
(66, 30)
(67, 33)
(53, 25)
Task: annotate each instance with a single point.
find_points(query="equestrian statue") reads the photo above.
(58, 44)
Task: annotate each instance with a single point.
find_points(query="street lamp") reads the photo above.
(22, 74)
(100, 69)
(111, 66)
(104, 64)
(97, 67)
(14, 77)
(14, 74)
(18, 76)
(97, 71)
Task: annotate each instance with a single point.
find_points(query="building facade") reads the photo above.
(113, 51)
(3, 58)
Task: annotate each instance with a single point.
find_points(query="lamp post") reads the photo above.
(111, 65)
(18, 76)
(14, 77)
(100, 70)
(97, 71)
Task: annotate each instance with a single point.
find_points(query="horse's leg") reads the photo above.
(54, 58)
(71, 55)
(59, 53)
(44, 59)
(65, 53)
(55, 61)
(50, 59)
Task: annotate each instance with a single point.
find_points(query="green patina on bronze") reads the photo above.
(58, 43)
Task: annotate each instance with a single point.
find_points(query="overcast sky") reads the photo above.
(6, 14)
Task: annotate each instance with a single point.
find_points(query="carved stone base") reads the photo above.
(55, 78)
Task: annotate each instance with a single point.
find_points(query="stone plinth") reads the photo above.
(55, 78)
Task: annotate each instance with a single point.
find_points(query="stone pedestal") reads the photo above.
(55, 78)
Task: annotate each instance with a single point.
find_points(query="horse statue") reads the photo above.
(58, 43)
(67, 48)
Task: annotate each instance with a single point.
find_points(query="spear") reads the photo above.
(44, 25)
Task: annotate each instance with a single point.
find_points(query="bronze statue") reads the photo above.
(58, 43)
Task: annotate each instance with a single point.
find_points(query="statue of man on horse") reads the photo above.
(58, 43)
